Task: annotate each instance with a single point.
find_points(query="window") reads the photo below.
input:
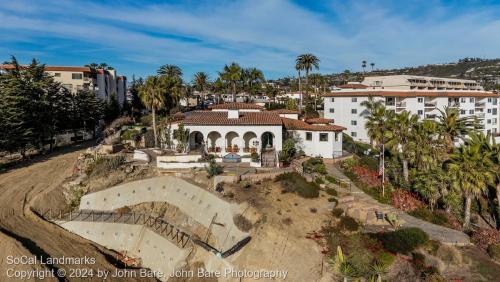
(76, 76)
(489, 111)
(494, 112)
(494, 121)
(332, 110)
(471, 100)
(323, 137)
(336, 136)
(494, 101)
(471, 112)
(354, 111)
(462, 100)
(332, 100)
(488, 121)
(354, 100)
(420, 112)
(462, 112)
(354, 134)
(420, 100)
(354, 122)
(57, 74)
(309, 136)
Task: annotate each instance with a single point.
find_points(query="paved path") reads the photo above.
(436, 232)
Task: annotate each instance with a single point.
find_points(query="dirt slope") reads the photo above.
(22, 232)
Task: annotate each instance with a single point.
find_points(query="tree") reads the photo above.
(231, 74)
(253, 77)
(372, 65)
(201, 82)
(363, 65)
(471, 172)
(307, 62)
(433, 185)
(399, 137)
(170, 71)
(298, 67)
(152, 94)
(453, 127)
(181, 135)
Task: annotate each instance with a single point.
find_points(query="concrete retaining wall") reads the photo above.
(156, 252)
(180, 165)
(199, 204)
(179, 158)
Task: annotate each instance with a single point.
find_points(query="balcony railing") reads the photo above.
(480, 115)
(401, 104)
(430, 116)
(250, 150)
(454, 104)
(430, 104)
(480, 104)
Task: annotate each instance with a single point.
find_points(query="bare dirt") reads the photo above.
(22, 232)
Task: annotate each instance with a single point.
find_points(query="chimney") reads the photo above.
(233, 113)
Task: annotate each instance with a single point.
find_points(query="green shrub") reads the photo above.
(348, 223)
(337, 212)
(332, 179)
(404, 240)
(385, 258)
(296, 183)
(333, 200)
(104, 165)
(430, 216)
(318, 180)
(331, 192)
(214, 168)
(314, 165)
(255, 157)
(494, 251)
(349, 164)
(129, 134)
(369, 162)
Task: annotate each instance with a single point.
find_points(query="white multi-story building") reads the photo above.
(105, 83)
(423, 96)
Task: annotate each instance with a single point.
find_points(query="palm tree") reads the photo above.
(363, 65)
(426, 150)
(371, 104)
(201, 83)
(254, 76)
(452, 126)
(377, 125)
(231, 74)
(298, 67)
(471, 172)
(372, 65)
(307, 62)
(432, 185)
(170, 71)
(399, 137)
(153, 97)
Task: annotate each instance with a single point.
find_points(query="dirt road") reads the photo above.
(23, 233)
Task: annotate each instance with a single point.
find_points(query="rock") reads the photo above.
(141, 156)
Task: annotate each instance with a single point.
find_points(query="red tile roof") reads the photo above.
(284, 111)
(294, 124)
(220, 118)
(236, 106)
(319, 120)
(412, 94)
(353, 86)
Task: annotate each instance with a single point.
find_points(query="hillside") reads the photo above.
(485, 71)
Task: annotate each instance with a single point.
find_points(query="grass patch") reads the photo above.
(314, 165)
(331, 192)
(104, 165)
(296, 183)
(332, 179)
(348, 223)
(404, 240)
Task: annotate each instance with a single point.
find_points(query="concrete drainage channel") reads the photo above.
(161, 246)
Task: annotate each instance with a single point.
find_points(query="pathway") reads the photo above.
(435, 232)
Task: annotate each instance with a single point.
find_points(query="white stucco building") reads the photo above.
(423, 96)
(241, 129)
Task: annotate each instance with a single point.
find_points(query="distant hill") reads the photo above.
(485, 71)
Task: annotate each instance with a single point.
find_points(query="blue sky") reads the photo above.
(136, 37)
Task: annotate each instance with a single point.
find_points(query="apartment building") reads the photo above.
(105, 83)
(423, 96)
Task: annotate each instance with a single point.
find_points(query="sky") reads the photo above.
(136, 37)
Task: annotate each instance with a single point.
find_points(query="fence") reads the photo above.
(157, 225)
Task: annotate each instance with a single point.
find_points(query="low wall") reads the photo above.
(179, 158)
(157, 253)
(141, 156)
(164, 165)
(199, 204)
(262, 176)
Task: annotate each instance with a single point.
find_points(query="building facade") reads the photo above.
(423, 96)
(243, 129)
(104, 83)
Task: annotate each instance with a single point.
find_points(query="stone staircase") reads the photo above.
(269, 158)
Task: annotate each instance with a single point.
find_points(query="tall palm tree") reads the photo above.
(307, 62)
(170, 71)
(372, 65)
(298, 67)
(201, 83)
(452, 126)
(371, 105)
(231, 74)
(255, 76)
(425, 149)
(153, 97)
(471, 171)
(363, 65)
(399, 136)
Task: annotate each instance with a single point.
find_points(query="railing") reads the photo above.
(401, 104)
(214, 150)
(429, 104)
(480, 104)
(157, 225)
(233, 150)
(480, 115)
(430, 116)
(249, 150)
(454, 104)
